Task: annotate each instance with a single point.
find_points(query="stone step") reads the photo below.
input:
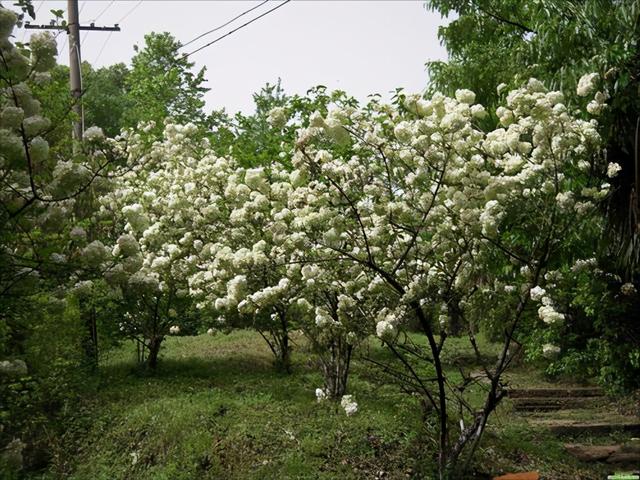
(556, 392)
(527, 404)
(594, 427)
(627, 453)
(519, 476)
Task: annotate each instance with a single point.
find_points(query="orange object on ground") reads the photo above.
(519, 476)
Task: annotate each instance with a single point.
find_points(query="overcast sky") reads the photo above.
(361, 46)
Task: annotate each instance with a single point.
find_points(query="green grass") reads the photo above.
(216, 409)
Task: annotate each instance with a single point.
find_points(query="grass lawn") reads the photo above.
(216, 409)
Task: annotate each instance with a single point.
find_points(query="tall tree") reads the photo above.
(162, 84)
(558, 41)
(107, 100)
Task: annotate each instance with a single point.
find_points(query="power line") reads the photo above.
(129, 12)
(234, 30)
(97, 17)
(73, 28)
(35, 14)
(106, 40)
(225, 24)
(64, 44)
(102, 48)
(103, 11)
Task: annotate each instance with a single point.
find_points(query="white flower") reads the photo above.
(94, 253)
(15, 368)
(595, 108)
(582, 265)
(83, 288)
(277, 117)
(128, 245)
(628, 289)
(12, 117)
(613, 169)
(321, 394)
(174, 330)
(254, 178)
(309, 271)
(465, 96)
(402, 131)
(349, 404)
(478, 111)
(58, 258)
(78, 234)
(323, 319)
(43, 51)
(8, 20)
(211, 331)
(490, 217)
(550, 351)
(93, 134)
(385, 329)
(537, 293)
(549, 315)
(565, 200)
(587, 84)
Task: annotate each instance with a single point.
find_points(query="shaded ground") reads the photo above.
(216, 409)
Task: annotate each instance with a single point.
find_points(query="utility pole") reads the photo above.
(75, 79)
(73, 28)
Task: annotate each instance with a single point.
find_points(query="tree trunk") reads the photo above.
(281, 336)
(336, 369)
(284, 362)
(90, 338)
(154, 349)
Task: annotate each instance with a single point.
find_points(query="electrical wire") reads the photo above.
(130, 11)
(225, 24)
(102, 48)
(35, 14)
(38, 9)
(234, 30)
(103, 11)
(93, 20)
(106, 41)
(64, 44)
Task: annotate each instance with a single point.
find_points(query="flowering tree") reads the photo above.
(153, 209)
(42, 198)
(251, 270)
(260, 271)
(505, 41)
(446, 218)
(342, 319)
(41, 195)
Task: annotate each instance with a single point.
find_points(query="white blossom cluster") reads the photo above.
(432, 172)
(349, 404)
(628, 289)
(160, 212)
(550, 351)
(386, 211)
